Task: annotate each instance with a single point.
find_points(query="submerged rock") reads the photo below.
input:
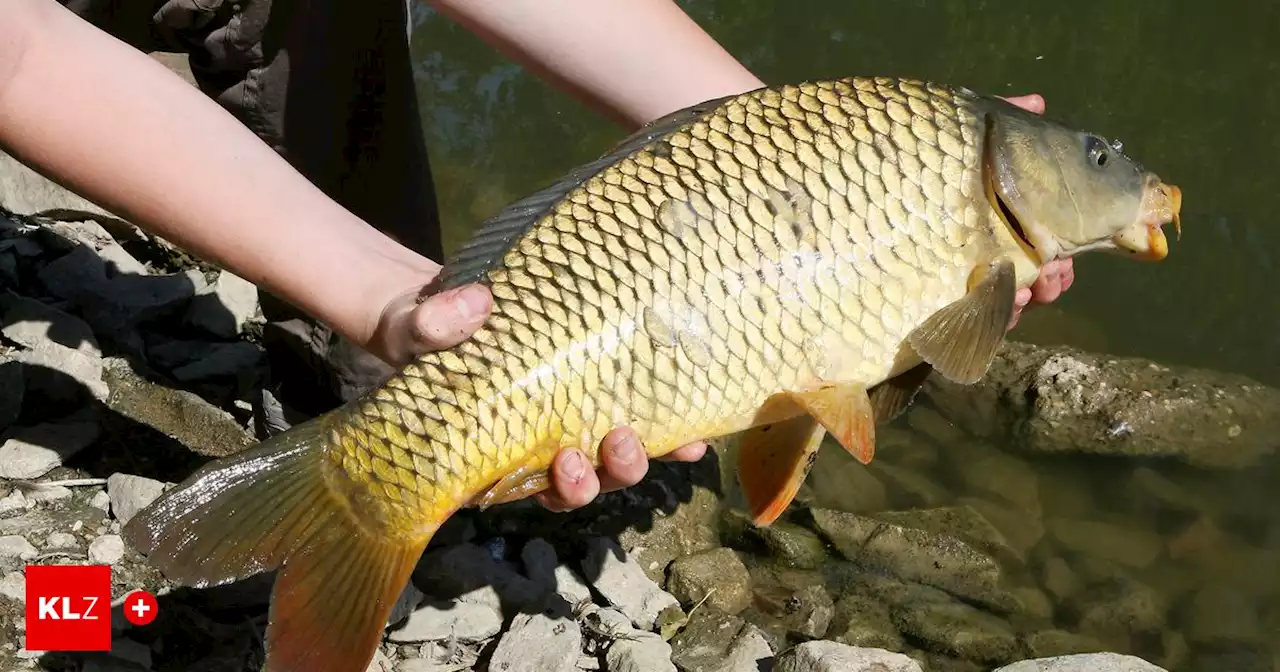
(713, 641)
(787, 543)
(864, 621)
(1063, 400)
(835, 657)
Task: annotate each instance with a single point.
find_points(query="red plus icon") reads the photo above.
(140, 607)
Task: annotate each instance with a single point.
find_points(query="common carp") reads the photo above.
(785, 263)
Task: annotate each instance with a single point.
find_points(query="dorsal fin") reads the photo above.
(491, 240)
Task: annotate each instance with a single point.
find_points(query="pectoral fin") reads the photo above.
(773, 462)
(890, 398)
(961, 340)
(527, 480)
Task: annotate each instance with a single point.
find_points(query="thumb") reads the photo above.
(446, 319)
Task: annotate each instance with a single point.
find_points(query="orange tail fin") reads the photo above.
(270, 507)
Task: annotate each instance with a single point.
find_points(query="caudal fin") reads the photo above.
(270, 507)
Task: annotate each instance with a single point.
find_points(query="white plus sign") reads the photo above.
(140, 608)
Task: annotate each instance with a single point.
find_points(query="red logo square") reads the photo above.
(68, 608)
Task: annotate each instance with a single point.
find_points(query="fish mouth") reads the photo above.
(1144, 239)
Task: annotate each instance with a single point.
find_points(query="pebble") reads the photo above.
(538, 643)
(1087, 662)
(640, 654)
(130, 494)
(14, 586)
(824, 656)
(624, 584)
(106, 550)
(15, 546)
(60, 540)
(100, 500)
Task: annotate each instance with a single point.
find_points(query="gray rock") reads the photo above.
(223, 359)
(916, 555)
(31, 323)
(126, 300)
(409, 600)
(1087, 662)
(960, 521)
(718, 576)
(130, 494)
(14, 586)
(61, 374)
(188, 418)
(1063, 400)
(48, 493)
(823, 656)
(223, 308)
(380, 662)
(60, 540)
(641, 654)
(32, 452)
(542, 566)
(15, 546)
(624, 584)
(72, 274)
(107, 549)
(101, 500)
(713, 641)
(472, 618)
(24, 191)
(14, 501)
(1128, 545)
(538, 643)
(864, 621)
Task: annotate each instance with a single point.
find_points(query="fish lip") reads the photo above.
(1161, 204)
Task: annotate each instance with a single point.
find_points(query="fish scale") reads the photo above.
(721, 253)
(779, 265)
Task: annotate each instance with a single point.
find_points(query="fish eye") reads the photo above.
(1098, 150)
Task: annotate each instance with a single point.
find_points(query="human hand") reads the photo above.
(410, 326)
(1057, 275)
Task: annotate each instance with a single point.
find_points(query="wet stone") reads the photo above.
(837, 481)
(1059, 579)
(835, 657)
(787, 543)
(960, 521)
(1222, 616)
(1120, 607)
(997, 475)
(791, 602)
(718, 576)
(909, 488)
(1021, 529)
(712, 637)
(956, 629)
(916, 555)
(1047, 643)
(1124, 544)
(864, 621)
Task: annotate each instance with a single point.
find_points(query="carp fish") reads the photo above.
(780, 264)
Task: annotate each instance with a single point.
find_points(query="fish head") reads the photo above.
(1063, 191)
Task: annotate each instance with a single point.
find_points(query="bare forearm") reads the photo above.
(633, 60)
(111, 124)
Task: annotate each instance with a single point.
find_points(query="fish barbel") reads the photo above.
(784, 263)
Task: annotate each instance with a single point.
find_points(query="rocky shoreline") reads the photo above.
(1071, 504)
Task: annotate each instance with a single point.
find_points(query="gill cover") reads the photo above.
(1066, 191)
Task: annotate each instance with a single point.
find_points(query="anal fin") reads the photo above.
(962, 339)
(890, 398)
(773, 462)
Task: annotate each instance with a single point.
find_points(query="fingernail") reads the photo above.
(470, 301)
(626, 450)
(573, 466)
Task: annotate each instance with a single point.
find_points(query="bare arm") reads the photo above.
(632, 60)
(109, 123)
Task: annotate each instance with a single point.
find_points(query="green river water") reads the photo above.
(1189, 87)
